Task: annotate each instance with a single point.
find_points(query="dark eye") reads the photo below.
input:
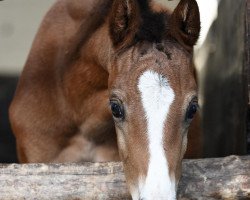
(117, 109)
(192, 109)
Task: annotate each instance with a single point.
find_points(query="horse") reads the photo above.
(112, 80)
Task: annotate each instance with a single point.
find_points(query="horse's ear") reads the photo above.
(124, 22)
(185, 23)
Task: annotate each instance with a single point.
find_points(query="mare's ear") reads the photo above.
(124, 22)
(185, 23)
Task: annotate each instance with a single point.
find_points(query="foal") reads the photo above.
(109, 76)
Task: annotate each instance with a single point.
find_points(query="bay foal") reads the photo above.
(92, 59)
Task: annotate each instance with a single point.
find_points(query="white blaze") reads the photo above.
(157, 96)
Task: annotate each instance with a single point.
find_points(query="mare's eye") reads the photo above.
(192, 109)
(117, 109)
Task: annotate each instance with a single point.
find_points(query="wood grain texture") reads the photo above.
(224, 86)
(247, 68)
(225, 178)
(247, 46)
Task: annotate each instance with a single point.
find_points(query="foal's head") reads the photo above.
(153, 92)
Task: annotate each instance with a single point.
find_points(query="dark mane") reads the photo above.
(153, 25)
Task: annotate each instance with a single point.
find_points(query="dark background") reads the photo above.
(7, 140)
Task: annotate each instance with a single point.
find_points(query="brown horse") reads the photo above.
(109, 76)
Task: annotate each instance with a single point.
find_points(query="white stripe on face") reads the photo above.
(157, 96)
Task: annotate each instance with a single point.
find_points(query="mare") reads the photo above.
(110, 80)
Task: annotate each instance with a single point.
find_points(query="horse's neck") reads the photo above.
(99, 48)
(71, 52)
(87, 76)
(90, 39)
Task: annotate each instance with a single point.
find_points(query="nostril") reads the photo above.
(141, 199)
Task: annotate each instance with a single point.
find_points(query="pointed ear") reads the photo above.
(124, 22)
(185, 23)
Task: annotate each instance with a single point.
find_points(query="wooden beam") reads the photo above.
(247, 47)
(218, 178)
(224, 84)
(247, 69)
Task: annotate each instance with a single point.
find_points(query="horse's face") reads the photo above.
(153, 99)
(153, 96)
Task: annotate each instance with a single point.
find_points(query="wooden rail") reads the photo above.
(217, 178)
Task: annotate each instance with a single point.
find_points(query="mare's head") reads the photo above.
(153, 92)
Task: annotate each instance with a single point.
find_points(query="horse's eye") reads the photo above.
(117, 109)
(192, 109)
